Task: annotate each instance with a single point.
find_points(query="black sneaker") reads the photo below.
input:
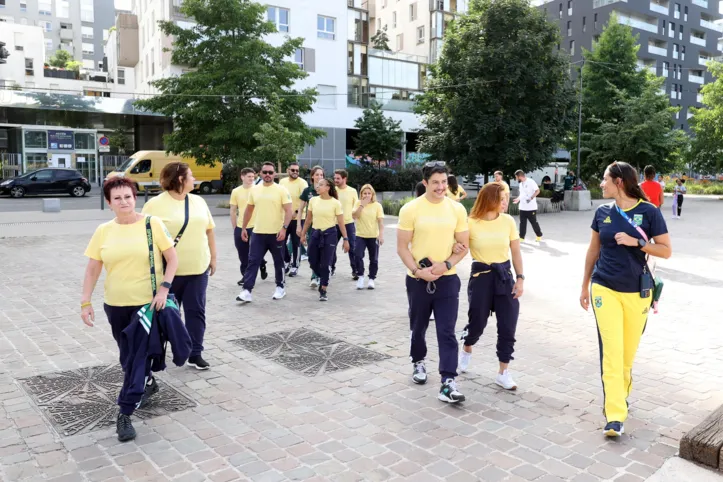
(354, 276)
(263, 272)
(150, 390)
(449, 393)
(240, 282)
(323, 296)
(419, 376)
(614, 429)
(198, 362)
(333, 271)
(287, 267)
(124, 428)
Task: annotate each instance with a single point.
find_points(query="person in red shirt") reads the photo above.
(651, 187)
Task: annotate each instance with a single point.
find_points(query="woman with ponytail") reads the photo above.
(618, 282)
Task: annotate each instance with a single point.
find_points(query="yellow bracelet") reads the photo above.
(87, 303)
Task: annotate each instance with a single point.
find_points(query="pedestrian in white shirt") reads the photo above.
(528, 205)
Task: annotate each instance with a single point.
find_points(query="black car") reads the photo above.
(47, 181)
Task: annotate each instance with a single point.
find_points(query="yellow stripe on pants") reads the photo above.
(621, 319)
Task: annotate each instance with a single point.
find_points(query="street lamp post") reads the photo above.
(579, 123)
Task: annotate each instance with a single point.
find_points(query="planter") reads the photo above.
(578, 201)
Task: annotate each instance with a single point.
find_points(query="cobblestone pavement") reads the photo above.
(256, 420)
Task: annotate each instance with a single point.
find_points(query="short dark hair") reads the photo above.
(267, 163)
(170, 175)
(519, 172)
(649, 172)
(682, 181)
(246, 170)
(118, 182)
(420, 189)
(342, 173)
(293, 163)
(429, 171)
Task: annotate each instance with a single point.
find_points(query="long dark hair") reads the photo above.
(420, 189)
(332, 188)
(629, 177)
(452, 183)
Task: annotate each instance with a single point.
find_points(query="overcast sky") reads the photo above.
(123, 4)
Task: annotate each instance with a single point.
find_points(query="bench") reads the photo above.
(704, 443)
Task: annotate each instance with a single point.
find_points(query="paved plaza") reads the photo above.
(349, 411)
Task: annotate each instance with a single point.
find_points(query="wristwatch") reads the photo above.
(642, 243)
(285, 226)
(521, 276)
(166, 284)
(345, 239)
(448, 265)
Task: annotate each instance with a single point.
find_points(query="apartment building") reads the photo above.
(416, 27)
(336, 54)
(677, 38)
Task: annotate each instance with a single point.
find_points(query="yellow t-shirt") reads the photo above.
(367, 225)
(455, 197)
(240, 198)
(194, 255)
(434, 227)
(269, 202)
(489, 241)
(325, 212)
(348, 197)
(295, 189)
(123, 249)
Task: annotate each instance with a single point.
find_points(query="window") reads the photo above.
(327, 96)
(36, 140)
(88, 49)
(685, 14)
(413, 12)
(45, 175)
(87, 32)
(569, 7)
(48, 44)
(400, 42)
(420, 35)
(379, 24)
(23, 6)
(86, 11)
(63, 8)
(682, 53)
(671, 30)
(569, 28)
(84, 141)
(325, 27)
(384, 3)
(29, 67)
(572, 47)
(560, 10)
(106, 33)
(153, 62)
(142, 167)
(45, 7)
(680, 33)
(594, 20)
(279, 17)
(299, 58)
(584, 27)
(47, 26)
(121, 77)
(676, 13)
(394, 19)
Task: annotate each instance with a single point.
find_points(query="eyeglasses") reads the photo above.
(435, 164)
(267, 172)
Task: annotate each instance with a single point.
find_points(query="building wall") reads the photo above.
(384, 13)
(31, 41)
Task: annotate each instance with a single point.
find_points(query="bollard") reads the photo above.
(102, 202)
(51, 205)
(146, 191)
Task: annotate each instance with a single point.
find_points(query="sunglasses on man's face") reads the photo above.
(293, 170)
(267, 172)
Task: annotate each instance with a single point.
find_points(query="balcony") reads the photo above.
(710, 25)
(698, 79)
(703, 60)
(66, 34)
(602, 3)
(699, 98)
(127, 39)
(701, 3)
(637, 22)
(663, 8)
(658, 50)
(697, 40)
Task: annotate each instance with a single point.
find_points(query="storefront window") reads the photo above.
(35, 161)
(84, 141)
(36, 140)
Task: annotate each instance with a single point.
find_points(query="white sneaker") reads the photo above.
(464, 359)
(505, 381)
(314, 283)
(360, 283)
(245, 297)
(370, 285)
(304, 257)
(279, 293)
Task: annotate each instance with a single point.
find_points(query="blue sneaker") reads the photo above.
(614, 429)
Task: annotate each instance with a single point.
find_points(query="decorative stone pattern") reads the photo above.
(84, 400)
(308, 352)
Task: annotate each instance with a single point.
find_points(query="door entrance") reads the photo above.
(59, 160)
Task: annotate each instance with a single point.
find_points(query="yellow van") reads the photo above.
(144, 167)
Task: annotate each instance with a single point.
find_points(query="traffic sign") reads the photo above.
(103, 143)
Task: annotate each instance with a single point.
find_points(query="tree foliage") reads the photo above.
(706, 150)
(235, 79)
(641, 133)
(380, 40)
(499, 96)
(60, 59)
(379, 136)
(120, 139)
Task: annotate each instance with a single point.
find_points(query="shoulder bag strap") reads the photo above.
(185, 222)
(151, 254)
(639, 230)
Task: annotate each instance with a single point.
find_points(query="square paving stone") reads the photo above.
(84, 400)
(308, 352)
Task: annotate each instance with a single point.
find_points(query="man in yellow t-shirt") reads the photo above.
(428, 228)
(348, 197)
(499, 177)
(238, 202)
(295, 185)
(272, 205)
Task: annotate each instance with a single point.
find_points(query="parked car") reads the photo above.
(47, 181)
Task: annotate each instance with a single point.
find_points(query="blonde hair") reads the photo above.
(364, 188)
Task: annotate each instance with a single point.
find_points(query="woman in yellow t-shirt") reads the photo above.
(369, 217)
(454, 190)
(196, 248)
(323, 216)
(121, 245)
(492, 236)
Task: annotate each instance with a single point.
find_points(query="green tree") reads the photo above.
(642, 133)
(120, 139)
(236, 76)
(73, 65)
(60, 59)
(499, 96)
(380, 40)
(706, 150)
(379, 136)
(278, 143)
